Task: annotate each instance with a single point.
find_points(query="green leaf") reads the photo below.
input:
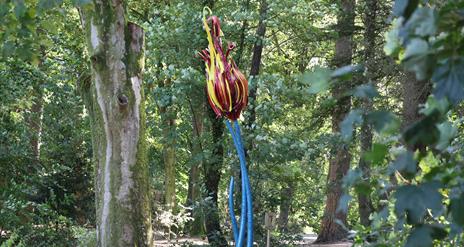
(449, 80)
(399, 7)
(424, 131)
(406, 164)
(351, 178)
(343, 203)
(48, 4)
(319, 79)
(392, 40)
(416, 58)
(20, 8)
(422, 22)
(351, 120)
(414, 200)
(367, 91)
(447, 132)
(346, 72)
(423, 235)
(416, 47)
(457, 210)
(377, 154)
(81, 2)
(405, 7)
(382, 120)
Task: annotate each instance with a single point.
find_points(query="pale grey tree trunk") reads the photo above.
(116, 50)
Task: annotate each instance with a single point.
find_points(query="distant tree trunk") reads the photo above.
(193, 191)
(254, 70)
(168, 123)
(340, 163)
(286, 196)
(212, 178)
(116, 50)
(241, 43)
(370, 36)
(35, 121)
(415, 94)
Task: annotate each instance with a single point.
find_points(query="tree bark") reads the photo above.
(193, 191)
(212, 178)
(286, 197)
(415, 94)
(370, 35)
(35, 120)
(331, 230)
(168, 122)
(254, 70)
(241, 43)
(116, 49)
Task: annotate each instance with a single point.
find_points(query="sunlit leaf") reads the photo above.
(351, 120)
(346, 72)
(392, 40)
(382, 120)
(377, 154)
(422, 22)
(319, 80)
(416, 58)
(344, 202)
(367, 91)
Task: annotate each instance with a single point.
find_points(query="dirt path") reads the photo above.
(308, 240)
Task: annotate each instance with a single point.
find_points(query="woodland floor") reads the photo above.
(308, 240)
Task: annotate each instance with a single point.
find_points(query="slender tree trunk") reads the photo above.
(193, 192)
(241, 43)
(364, 201)
(35, 121)
(212, 178)
(254, 70)
(168, 121)
(116, 50)
(286, 197)
(331, 230)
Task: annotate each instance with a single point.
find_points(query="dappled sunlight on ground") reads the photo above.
(308, 240)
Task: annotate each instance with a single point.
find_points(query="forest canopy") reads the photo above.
(351, 122)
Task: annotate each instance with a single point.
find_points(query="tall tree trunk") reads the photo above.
(35, 121)
(254, 70)
(193, 192)
(370, 35)
(116, 50)
(212, 178)
(331, 230)
(286, 196)
(415, 94)
(168, 122)
(241, 43)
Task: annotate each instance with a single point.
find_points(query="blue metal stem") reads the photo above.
(248, 188)
(231, 209)
(247, 205)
